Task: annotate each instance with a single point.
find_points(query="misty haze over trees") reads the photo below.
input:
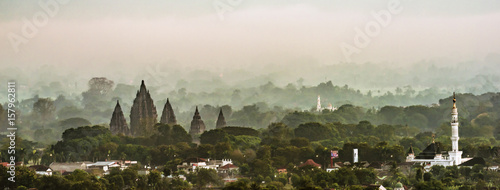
(252, 99)
(426, 81)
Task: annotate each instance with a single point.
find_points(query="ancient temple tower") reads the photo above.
(118, 124)
(168, 116)
(143, 115)
(197, 125)
(221, 121)
(455, 154)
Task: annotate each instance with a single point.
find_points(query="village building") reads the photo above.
(104, 166)
(41, 170)
(329, 107)
(310, 163)
(225, 167)
(67, 167)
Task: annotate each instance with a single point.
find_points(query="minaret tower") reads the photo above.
(318, 106)
(455, 154)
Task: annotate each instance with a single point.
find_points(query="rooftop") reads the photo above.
(310, 162)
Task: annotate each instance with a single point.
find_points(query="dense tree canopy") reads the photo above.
(261, 138)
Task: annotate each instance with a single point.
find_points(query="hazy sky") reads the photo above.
(100, 33)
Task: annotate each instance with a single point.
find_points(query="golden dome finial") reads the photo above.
(454, 100)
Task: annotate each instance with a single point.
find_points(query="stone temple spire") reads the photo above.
(118, 124)
(168, 116)
(221, 121)
(197, 125)
(143, 115)
(455, 154)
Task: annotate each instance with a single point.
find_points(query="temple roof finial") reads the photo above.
(143, 87)
(118, 108)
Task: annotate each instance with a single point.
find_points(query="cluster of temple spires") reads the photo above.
(143, 117)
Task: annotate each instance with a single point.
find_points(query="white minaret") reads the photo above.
(455, 154)
(318, 106)
(355, 155)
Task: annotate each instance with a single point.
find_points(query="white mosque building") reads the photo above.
(329, 107)
(432, 155)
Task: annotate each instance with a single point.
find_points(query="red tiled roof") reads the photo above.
(192, 160)
(7, 163)
(310, 162)
(228, 166)
(340, 164)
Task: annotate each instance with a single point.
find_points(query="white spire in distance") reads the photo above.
(455, 154)
(318, 106)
